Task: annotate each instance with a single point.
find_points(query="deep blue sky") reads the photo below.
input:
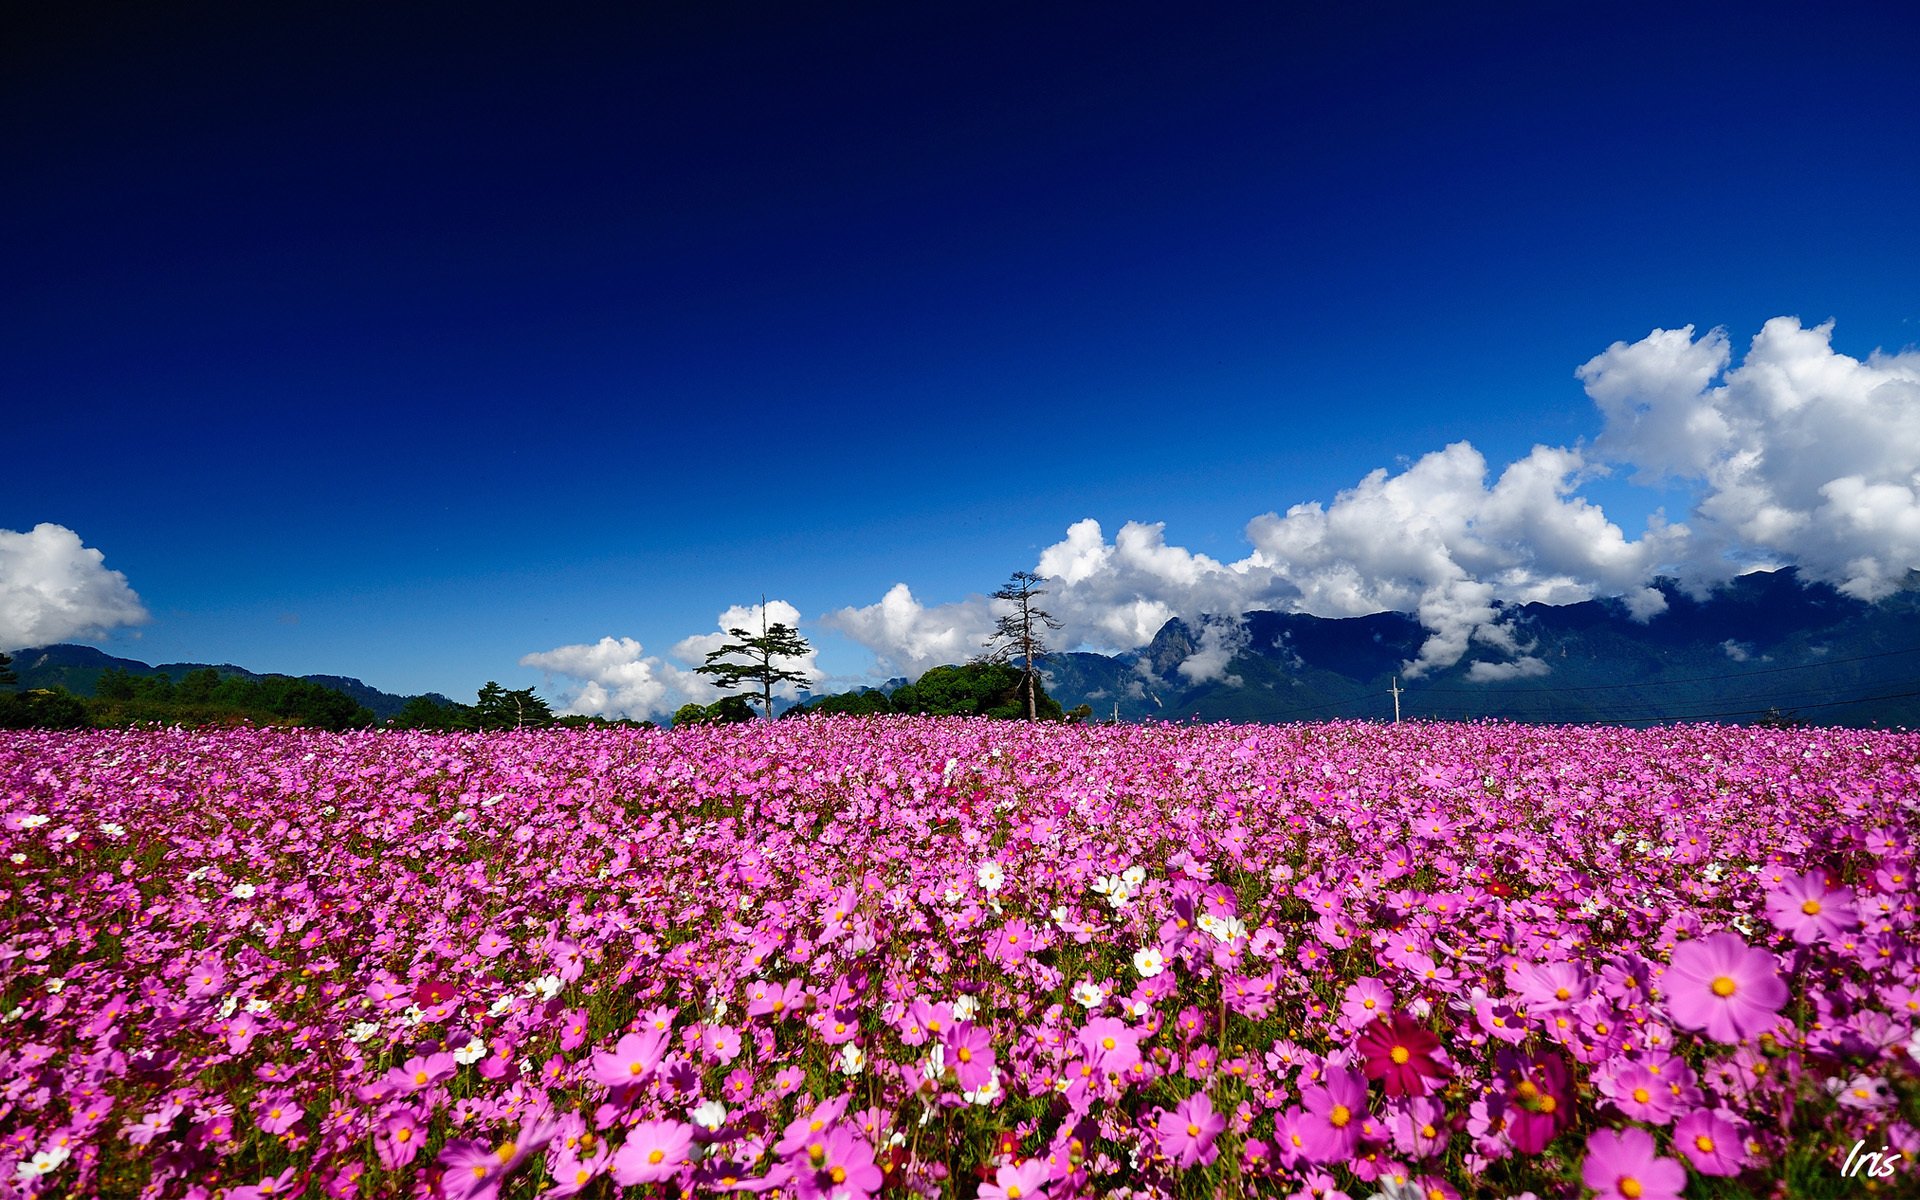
(400, 344)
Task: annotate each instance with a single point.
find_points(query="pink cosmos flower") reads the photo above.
(272, 1186)
(1804, 908)
(970, 1054)
(1641, 1095)
(1027, 1181)
(1538, 1105)
(1711, 1142)
(1622, 1165)
(632, 1059)
(419, 1073)
(573, 1028)
(492, 944)
(398, 1139)
(1721, 985)
(722, 1043)
(1187, 1134)
(1365, 999)
(1335, 1108)
(276, 1113)
(841, 1164)
(1111, 1044)
(1010, 944)
(1400, 1051)
(652, 1152)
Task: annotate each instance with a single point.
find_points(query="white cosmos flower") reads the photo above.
(257, 1006)
(472, 1052)
(1089, 995)
(55, 984)
(45, 1162)
(361, 1031)
(34, 821)
(502, 1006)
(986, 1093)
(853, 1059)
(965, 1008)
(708, 1115)
(1133, 877)
(547, 986)
(991, 876)
(1148, 962)
(228, 1005)
(18, 858)
(244, 891)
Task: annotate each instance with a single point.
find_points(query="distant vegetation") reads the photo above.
(207, 697)
(978, 689)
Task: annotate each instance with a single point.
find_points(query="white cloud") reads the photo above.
(1800, 455)
(1221, 639)
(614, 677)
(907, 637)
(54, 589)
(1520, 668)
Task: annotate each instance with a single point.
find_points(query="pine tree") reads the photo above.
(763, 654)
(1022, 632)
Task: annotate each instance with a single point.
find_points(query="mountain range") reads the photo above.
(1765, 645)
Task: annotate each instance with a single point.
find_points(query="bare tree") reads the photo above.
(1022, 632)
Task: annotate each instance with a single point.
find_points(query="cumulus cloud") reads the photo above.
(1798, 456)
(1221, 639)
(54, 589)
(612, 678)
(1500, 672)
(907, 637)
(615, 677)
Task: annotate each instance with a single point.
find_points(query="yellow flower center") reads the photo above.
(1399, 1055)
(1193, 1131)
(1340, 1115)
(656, 1157)
(1630, 1187)
(1811, 908)
(1723, 986)
(965, 1055)
(1642, 1095)
(1703, 1143)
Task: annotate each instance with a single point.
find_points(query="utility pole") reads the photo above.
(1396, 699)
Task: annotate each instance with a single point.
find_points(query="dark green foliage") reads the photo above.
(424, 712)
(978, 689)
(728, 710)
(499, 708)
(7, 677)
(42, 708)
(870, 702)
(760, 666)
(205, 697)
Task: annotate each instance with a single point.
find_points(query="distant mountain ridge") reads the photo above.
(1765, 641)
(78, 670)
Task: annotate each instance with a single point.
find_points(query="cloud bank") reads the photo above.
(615, 677)
(1798, 456)
(54, 589)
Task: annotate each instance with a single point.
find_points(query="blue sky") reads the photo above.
(403, 345)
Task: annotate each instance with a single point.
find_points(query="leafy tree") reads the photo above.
(856, 704)
(7, 677)
(728, 710)
(422, 712)
(498, 708)
(43, 708)
(1022, 633)
(763, 654)
(978, 689)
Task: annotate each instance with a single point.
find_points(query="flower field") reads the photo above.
(900, 956)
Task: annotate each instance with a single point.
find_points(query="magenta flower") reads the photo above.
(1711, 1142)
(970, 1054)
(1187, 1134)
(631, 1060)
(1111, 1044)
(398, 1139)
(277, 1113)
(1335, 1109)
(1365, 999)
(1804, 908)
(1622, 1165)
(652, 1152)
(419, 1073)
(1400, 1051)
(1027, 1181)
(492, 944)
(1011, 944)
(1724, 987)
